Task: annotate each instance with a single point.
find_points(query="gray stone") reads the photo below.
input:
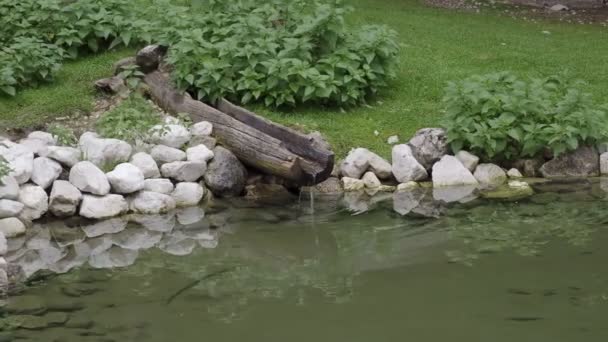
(449, 171)
(9, 188)
(38, 147)
(406, 167)
(35, 200)
(202, 128)
(183, 171)
(164, 154)
(149, 58)
(490, 175)
(146, 164)
(380, 167)
(529, 167)
(188, 194)
(3, 249)
(126, 179)
(11, 227)
(146, 202)
(331, 185)
(104, 152)
(604, 163)
(160, 185)
(87, 177)
(101, 207)
(225, 175)
(514, 173)
(10, 208)
(467, 159)
(64, 199)
(558, 8)
(47, 138)
(429, 145)
(370, 180)
(171, 135)
(67, 156)
(356, 163)
(352, 184)
(199, 154)
(45, 172)
(210, 142)
(582, 162)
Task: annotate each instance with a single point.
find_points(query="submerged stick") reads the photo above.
(196, 282)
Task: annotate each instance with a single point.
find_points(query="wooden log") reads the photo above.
(257, 142)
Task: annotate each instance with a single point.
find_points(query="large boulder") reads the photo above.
(45, 171)
(449, 171)
(429, 145)
(9, 188)
(380, 167)
(199, 154)
(35, 200)
(171, 135)
(11, 227)
(146, 164)
(38, 147)
(582, 162)
(164, 154)
(89, 178)
(67, 156)
(126, 179)
(356, 163)
(101, 207)
(145, 202)
(20, 160)
(467, 159)
(64, 199)
(225, 175)
(159, 185)
(10, 208)
(489, 175)
(406, 167)
(183, 171)
(188, 194)
(104, 152)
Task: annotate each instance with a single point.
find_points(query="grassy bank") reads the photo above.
(437, 46)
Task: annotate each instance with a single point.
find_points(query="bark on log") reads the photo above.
(257, 142)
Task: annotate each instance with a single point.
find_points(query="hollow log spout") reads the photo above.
(257, 142)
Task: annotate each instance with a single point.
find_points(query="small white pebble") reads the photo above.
(392, 140)
(376, 133)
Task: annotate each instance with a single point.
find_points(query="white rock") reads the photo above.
(159, 185)
(449, 171)
(558, 8)
(199, 154)
(109, 226)
(126, 179)
(380, 167)
(164, 154)
(9, 188)
(188, 194)
(514, 173)
(356, 163)
(87, 177)
(21, 161)
(10, 208)
(392, 140)
(405, 166)
(101, 207)
(45, 171)
(490, 175)
(603, 165)
(11, 227)
(146, 164)
(183, 171)
(146, 202)
(371, 181)
(190, 215)
(35, 200)
(467, 159)
(3, 250)
(47, 138)
(38, 147)
(407, 186)
(170, 135)
(352, 184)
(201, 129)
(67, 156)
(64, 199)
(104, 152)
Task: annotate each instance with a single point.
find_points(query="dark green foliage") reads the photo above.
(501, 116)
(280, 53)
(5, 169)
(131, 121)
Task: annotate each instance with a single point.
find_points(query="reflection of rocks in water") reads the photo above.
(417, 203)
(60, 246)
(564, 185)
(449, 194)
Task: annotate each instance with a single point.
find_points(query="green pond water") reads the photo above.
(349, 270)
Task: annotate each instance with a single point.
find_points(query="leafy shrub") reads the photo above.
(131, 121)
(5, 169)
(279, 53)
(64, 135)
(501, 116)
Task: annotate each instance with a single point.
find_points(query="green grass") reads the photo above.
(438, 46)
(70, 94)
